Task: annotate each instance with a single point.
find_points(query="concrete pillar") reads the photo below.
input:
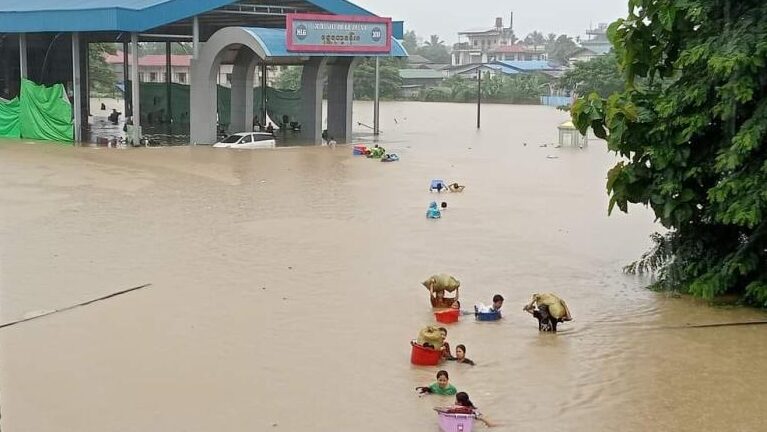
(168, 79)
(203, 102)
(195, 37)
(311, 99)
(243, 74)
(23, 63)
(204, 71)
(134, 76)
(126, 92)
(77, 88)
(340, 92)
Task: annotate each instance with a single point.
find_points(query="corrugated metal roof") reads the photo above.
(420, 74)
(274, 43)
(17, 16)
(529, 65)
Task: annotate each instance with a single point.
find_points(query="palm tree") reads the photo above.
(434, 41)
(535, 38)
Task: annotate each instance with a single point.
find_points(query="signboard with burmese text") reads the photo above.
(338, 33)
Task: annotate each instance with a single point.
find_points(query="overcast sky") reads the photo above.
(447, 17)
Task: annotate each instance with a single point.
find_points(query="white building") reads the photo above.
(152, 69)
(493, 43)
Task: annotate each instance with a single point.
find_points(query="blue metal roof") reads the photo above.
(17, 16)
(274, 43)
(529, 65)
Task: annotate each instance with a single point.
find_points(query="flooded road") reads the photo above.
(286, 286)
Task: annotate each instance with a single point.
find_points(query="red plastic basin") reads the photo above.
(447, 316)
(424, 356)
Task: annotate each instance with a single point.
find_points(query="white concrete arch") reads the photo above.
(204, 70)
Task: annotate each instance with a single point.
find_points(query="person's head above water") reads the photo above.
(497, 301)
(543, 310)
(460, 351)
(456, 305)
(444, 332)
(443, 205)
(442, 378)
(462, 399)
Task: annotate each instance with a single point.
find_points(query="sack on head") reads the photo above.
(442, 282)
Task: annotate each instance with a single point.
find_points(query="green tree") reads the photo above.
(290, 78)
(435, 50)
(390, 81)
(560, 49)
(526, 88)
(100, 74)
(535, 38)
(600, 75)
(410, 42)
(693, 140)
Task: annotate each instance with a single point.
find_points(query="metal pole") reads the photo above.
(134, 76)
(263, 94)
(376, 102)
(168, 79)
(76, 88)
(23, 55)
(196, 37)
(479, 93)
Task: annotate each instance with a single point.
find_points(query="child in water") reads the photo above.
(446, 352)
(441, 387)
(496, 307)
(463, 405)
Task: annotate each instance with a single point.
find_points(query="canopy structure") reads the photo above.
(46, 41)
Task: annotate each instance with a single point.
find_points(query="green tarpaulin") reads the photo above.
(38, 113)
(154, 105)
(9, 118)
(45, 112)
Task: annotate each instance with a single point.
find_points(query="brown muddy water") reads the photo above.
(285, 288)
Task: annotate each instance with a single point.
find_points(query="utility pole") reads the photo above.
(479, 93)
(376, 107)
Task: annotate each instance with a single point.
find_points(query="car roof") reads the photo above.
(250, 133)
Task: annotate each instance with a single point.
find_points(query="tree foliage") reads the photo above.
(435, 50)
(535, 38)
(560, 49)
(389, 79)
(693, 140)
(494, 88)
(601, 75)
(290, 78)
(100, 74)
(410, 42)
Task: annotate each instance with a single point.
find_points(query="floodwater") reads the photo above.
(285, 288)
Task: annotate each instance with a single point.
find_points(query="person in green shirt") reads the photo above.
(441, 387)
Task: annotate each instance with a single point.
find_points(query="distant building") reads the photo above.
(152, 69)
(597, 41)
(494, 43)
(415, 80)
(582, 54)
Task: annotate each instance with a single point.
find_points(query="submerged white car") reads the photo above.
(248, 140)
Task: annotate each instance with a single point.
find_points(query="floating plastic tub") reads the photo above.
(455, 422)
(436, 183)
(447, 316)
(424, 356)
(487, 316)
